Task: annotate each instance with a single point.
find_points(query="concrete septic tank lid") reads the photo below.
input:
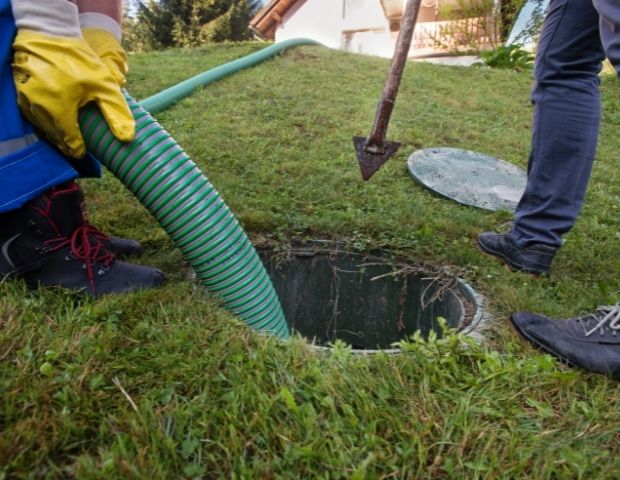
(470, 178)
(368, 301)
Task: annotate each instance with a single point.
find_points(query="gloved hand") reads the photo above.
(55, 76)
(109, 50)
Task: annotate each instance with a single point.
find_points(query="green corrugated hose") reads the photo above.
(183, 201)
(168, 97)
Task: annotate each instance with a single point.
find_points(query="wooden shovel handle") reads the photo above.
(390, 90)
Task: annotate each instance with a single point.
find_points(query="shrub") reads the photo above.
(512, 57)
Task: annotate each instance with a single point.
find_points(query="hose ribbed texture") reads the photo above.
(170, 185)
(168, 97)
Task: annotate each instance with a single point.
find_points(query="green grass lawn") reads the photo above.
(167, 384)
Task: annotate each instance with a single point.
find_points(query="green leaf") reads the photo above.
(289, 399)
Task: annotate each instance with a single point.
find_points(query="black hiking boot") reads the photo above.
(591, 342)
(48, 242)
(535, 259)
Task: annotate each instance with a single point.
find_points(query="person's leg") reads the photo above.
(609, 11)
(44, 237)
(565, 125)
(564, 135)
(591, 342)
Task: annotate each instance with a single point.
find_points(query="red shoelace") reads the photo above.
(86, 244)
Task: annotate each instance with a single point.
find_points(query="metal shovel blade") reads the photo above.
(371, 162)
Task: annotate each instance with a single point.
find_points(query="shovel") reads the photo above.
(374, 151)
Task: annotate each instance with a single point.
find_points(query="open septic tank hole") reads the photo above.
(368, 301)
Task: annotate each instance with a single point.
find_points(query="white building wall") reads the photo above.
(319, 20)
(359, 26)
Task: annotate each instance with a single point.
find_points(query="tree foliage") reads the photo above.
(187, 23)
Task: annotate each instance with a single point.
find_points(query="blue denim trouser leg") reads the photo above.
(566, 121)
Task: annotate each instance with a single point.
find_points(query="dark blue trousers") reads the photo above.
(576, 36)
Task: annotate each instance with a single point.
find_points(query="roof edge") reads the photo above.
(272, 13)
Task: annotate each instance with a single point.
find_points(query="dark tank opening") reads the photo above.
(366, 300)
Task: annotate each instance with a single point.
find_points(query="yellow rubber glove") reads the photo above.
(55, 77)
(109, 50)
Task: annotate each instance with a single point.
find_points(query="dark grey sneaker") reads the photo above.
(535, 259)
(591, 342)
